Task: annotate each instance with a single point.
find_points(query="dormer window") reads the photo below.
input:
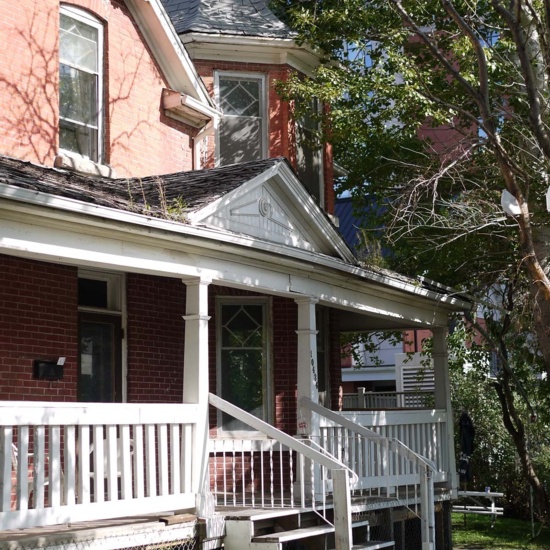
(242, 134)
(80, 83)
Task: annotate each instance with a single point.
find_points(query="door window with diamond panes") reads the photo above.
(242, 130)
(243, 360)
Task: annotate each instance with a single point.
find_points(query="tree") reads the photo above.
(440, 109)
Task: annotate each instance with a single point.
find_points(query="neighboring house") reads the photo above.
(170, 319)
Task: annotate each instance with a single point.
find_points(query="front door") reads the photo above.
(100, 360)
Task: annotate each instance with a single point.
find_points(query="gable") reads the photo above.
(275, 207)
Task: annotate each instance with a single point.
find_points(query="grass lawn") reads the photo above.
(474, 532)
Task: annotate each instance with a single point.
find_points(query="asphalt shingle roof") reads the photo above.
(169, 196)
(231, 17)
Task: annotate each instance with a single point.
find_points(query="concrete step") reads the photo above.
(295, 534)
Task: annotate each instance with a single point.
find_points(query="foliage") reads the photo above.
(436, 108)
(470, 531)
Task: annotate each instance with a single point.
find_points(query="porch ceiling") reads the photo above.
(348, 321)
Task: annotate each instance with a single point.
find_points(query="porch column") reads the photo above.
(443, 398)
(308, 424)
(195, 373)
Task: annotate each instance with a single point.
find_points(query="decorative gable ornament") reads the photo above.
(275, 207)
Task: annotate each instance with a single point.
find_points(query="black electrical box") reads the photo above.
(47, 370)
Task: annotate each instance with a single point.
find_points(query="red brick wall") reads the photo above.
(38, 320)
(140, 140)
(155, 338)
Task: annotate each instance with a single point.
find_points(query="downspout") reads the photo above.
(202, 134)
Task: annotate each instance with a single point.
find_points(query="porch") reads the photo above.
(65, 464)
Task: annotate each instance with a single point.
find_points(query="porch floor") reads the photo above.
(110, 533)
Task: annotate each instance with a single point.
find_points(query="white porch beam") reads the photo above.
(195, 373)
(148, 250)
(443, 397)
(308, 423)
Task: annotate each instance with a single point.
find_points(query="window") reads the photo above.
(80, 83)
(309, 152)
(243, 359)
(242, 133)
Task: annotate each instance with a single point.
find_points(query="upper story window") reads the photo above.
(309, 152)
(80, 83)
(242, 134)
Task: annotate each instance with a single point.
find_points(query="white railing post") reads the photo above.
(343, 537)
(195, 378)
(427, 518)
(361, 402)
(443, 401)
(307, 364)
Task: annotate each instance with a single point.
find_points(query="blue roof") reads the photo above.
(349, 221)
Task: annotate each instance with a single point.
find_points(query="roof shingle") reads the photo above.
(230, 17)
(167, 196)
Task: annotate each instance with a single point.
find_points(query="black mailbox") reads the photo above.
(48, 370)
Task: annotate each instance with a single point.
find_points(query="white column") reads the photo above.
(443, 398)
(307, 364)
(195, 373)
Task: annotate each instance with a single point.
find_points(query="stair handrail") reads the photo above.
(426, 466)
(340, 478)
(398, 446)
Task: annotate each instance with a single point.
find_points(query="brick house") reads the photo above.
(173, 291)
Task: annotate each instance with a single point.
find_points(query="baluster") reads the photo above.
(252, 473)
(84, 462)
(262, 472)
(150, 461)
(22, 490)
(7, 461)
(139, 465)
(39, 468)
(162, 431)
(291, 465)
(55, 472)
(302, 474)
(271, 476)
(243, 472)
(70, 466)
(111, 452)
(175, 477)
(281, 472)
(99, 459)
(234, 474)
(124, 469)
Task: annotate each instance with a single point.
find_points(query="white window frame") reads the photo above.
(88, 19)
(262, 78)
(267, 375)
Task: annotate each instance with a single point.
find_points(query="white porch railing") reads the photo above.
(383, 467)
(279, 471)
(422, 431)
(387, 400)
(70, 462)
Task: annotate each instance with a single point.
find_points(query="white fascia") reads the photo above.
(252, 49)
(169, 52)
(211, 239)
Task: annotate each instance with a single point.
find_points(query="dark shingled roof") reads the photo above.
(231, 17)
(170, 196)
